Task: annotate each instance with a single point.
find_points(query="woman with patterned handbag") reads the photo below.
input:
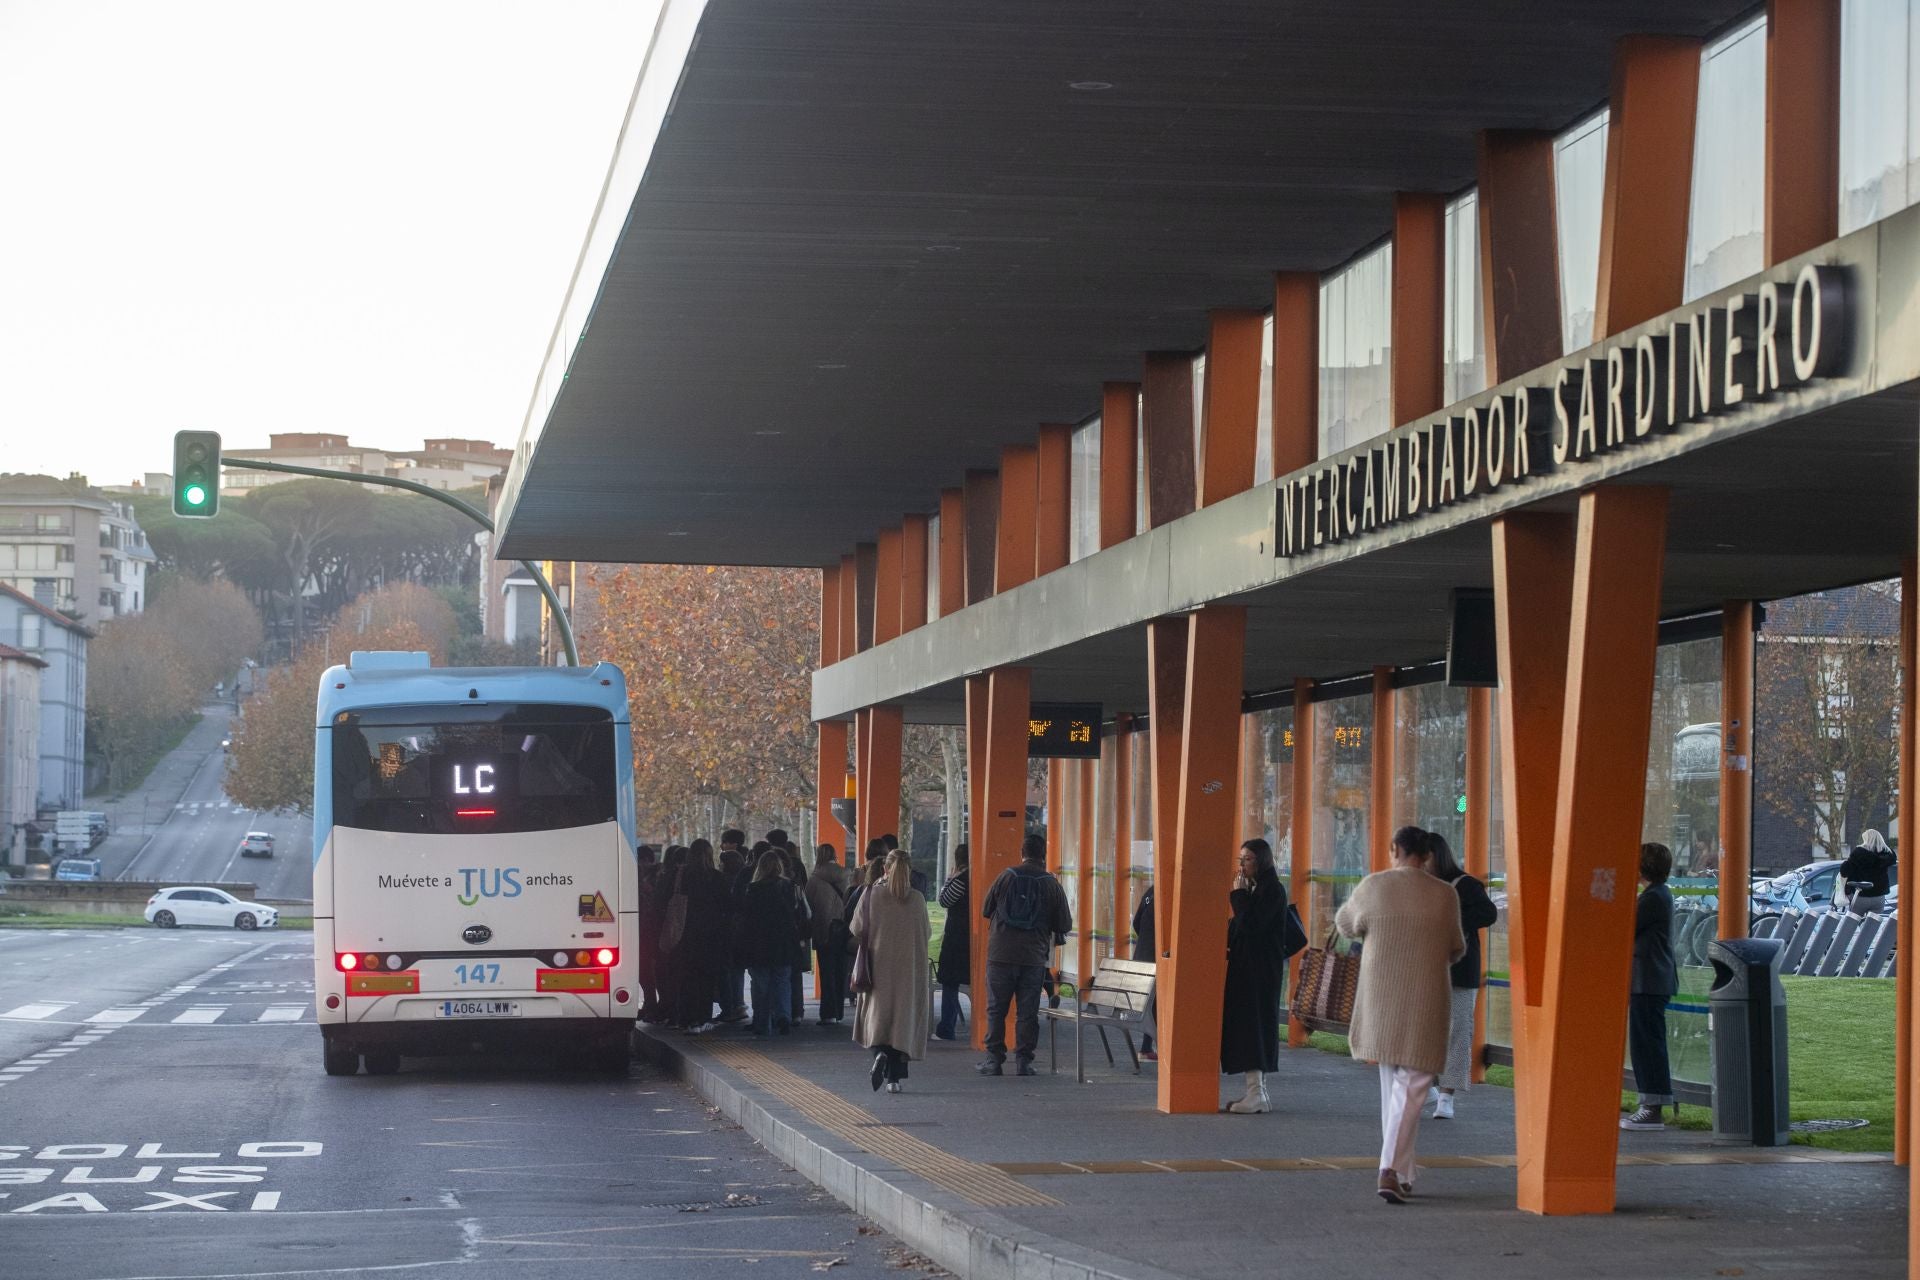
(1410, 922)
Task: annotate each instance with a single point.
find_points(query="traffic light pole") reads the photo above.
(413, 486)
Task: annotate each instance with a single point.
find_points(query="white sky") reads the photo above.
(291, 216)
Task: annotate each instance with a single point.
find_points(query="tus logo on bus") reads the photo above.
(488, 882)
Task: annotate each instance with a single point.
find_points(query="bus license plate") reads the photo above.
(479, 1009)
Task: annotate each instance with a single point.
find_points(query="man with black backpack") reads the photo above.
(1028, 909)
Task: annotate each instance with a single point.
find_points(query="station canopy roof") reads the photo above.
(872, 242)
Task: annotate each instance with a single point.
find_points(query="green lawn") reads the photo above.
(1839, 1060)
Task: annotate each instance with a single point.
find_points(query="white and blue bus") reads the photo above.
(474, 882)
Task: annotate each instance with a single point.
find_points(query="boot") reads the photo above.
(1255, 1100)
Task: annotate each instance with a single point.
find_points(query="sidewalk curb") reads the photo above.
(972, 1242)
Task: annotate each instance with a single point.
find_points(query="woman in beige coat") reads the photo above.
(893, 1017)
(1410, 923)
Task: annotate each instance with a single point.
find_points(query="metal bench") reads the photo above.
(1119, 996)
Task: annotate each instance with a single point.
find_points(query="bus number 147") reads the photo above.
(476, 973)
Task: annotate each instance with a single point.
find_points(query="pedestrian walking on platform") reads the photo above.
(827, 899)
(1143, 930)
(768, 936)
(955, 966)
(666, 968)
(1256, 975)
(737, 865)
(1409, 922)
(894, 1012)
(1655, 979)
(1477, 912)
(795, 871)
(1028, 909)
(700, 950)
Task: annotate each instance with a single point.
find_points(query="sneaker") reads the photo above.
(1643, 1118)
(990, 1068)
(1149, 1055)
(1390, 1188)
(703, 1028)
(945, 1035)
(1024, 1069)
(734, 1015)
(894, 1086)
(1443, 1107)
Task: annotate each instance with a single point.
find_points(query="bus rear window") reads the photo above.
(476, 768)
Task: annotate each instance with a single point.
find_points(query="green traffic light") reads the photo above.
(196, 495)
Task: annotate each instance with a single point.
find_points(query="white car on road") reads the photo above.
(197, 904)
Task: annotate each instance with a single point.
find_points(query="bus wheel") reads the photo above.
(382, 1064)
(340, 1062)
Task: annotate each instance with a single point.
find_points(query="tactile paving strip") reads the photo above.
(979, 1183)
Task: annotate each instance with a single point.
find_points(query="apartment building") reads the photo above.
(447, 463)
(60, 645)
(72, 547)
(19, 749)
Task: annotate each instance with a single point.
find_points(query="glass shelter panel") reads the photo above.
(1084, 498)
(1579, 182)
(1725, 223)
(1430, 761)
(1343, 761)
(1356, 305)
(1466, 364)
(1878, 134)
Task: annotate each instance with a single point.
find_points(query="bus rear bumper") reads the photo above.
(456, 1036)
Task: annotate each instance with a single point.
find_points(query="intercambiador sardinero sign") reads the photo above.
(1707, 361)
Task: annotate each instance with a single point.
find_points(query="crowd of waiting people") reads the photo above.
(725, 937)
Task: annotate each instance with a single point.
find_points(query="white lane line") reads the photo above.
(118, 1015)
(282, 1013)
(44, 1009)
(202, 1013)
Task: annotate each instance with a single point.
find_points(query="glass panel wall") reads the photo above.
(1494, 943)
(1725, 223)
(933, 568)
(1466, 363)
(1579, 182)
(1263, 429)
(1139, 466)
(1430, 761)
(1106, 793)
(1356, 306)
(1270, 808)
(1343, 767)
(1084, 499)
(1063, 839)
(1140, 864)
(1879, 112)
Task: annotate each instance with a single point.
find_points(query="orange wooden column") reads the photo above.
(1203, 864)
(886, 587)
(1167, 427)
(1119, 461)
(1000, 809)
(1419, 293)
(830, 747)
(1053, 498)
(880, 781)
(1231, 420)
(1300, 837)
(979, 724)
(1908, 826)
(1576, 1036)
(1380, 782)
(1123, 747)
(953, 552)
(1519, 253)
(1649, 182)
(1167, 693)
(1479, 842)
(1532, 593)
(1088, 791)
(1019, 492)
(1296, 371)
(913, 573)
(1736, 766)
(1803, 126)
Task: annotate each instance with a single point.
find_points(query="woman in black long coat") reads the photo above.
(702, 952)
(1256, 975)
(666, 973)
(954, 967)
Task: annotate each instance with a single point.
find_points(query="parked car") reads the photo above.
(1809, 887)
(77, 869)
(197, 904)
(256, 844)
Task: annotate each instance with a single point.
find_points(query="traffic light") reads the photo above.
(196, 473)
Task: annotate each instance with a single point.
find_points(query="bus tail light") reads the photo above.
(606, 956)
(384, 984)
(346, 961)
(620, 996)
(570, 980)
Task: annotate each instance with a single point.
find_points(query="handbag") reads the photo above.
(1293, 936)
(861, 980)
(1329, 980)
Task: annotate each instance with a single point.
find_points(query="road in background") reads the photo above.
(189, 831)
(168, 1117)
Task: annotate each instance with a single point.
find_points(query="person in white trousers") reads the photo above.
(1409, 921)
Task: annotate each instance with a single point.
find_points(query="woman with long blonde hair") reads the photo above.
(893, 1009)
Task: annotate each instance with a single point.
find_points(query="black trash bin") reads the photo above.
(1747, 1010)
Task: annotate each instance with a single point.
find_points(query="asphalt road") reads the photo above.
(163, 1114)
(198, 842)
